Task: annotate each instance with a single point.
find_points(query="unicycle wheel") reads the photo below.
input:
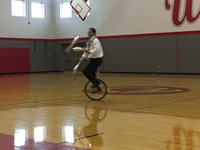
(89, 90)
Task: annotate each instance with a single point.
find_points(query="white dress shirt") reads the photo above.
(95, 48)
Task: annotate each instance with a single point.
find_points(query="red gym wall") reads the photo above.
(14, 60)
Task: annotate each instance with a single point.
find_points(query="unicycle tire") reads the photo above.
(97, 95)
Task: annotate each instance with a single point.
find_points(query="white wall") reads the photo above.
(109, 17)
(122, 17)
(18, 27)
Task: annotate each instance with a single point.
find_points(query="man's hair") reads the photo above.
(93, 30)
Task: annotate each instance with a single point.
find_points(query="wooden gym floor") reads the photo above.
(49, 111)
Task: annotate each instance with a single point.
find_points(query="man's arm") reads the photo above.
(86, 50)
(95, 45)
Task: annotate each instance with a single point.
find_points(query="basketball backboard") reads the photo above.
(81, 8)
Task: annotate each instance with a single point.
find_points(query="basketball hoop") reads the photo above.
(81, 8)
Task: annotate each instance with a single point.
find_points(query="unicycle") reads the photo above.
(97, 95)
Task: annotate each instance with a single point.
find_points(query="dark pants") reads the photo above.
(91, 69)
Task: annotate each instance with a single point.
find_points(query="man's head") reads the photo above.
(91, 32)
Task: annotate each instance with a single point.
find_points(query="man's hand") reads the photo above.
(86, 50)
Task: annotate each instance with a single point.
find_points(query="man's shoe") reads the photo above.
(92, 87)
(96, 90)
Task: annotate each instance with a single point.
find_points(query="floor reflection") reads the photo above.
(183, 139)
(95, 112)
(20, 141)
